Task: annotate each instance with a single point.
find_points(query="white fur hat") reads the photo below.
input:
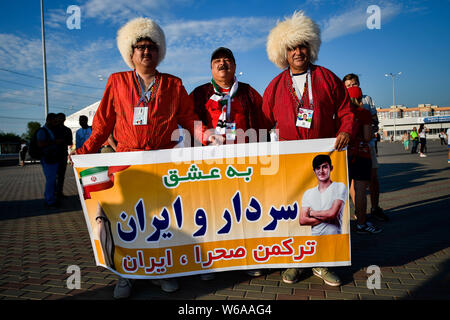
(299, 29)
(135, 29)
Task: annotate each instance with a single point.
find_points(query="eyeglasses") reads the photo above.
(150, 47)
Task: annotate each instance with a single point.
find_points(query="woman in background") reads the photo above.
(405, 139)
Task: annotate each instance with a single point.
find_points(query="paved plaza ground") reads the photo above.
(37, 245)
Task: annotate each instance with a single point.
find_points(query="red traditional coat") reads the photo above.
(169, 106)
(332, 113)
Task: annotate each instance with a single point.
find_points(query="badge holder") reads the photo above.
(140, 115)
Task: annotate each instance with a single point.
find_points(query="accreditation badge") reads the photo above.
(140, 116)
(304, 118)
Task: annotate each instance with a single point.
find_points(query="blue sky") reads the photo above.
(414, 38)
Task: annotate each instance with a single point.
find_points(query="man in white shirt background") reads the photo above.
(323, 205)
(83, 133)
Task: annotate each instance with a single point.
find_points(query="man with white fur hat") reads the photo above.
(304, 88)
(143, 107)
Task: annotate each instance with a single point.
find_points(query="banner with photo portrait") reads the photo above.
(186, 211)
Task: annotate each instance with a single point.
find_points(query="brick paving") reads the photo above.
(37, 246)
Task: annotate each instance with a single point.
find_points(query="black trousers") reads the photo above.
(60, 176)
(423, 143)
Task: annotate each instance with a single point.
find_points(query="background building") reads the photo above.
(401, 119)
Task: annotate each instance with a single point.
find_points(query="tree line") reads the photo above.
(32, 127)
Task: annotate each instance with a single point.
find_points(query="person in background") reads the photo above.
(405, 139)
(377, 139)
(359, 162)
(448, 142)
(352, 80)
(83, 133)
(63, 134)
(47, 142)
(23, 154)
(423, 139)
(415, 139)
(442, 137)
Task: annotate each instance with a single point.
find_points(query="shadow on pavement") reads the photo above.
(437, 288)
(31, 208)
(415, 231)
(191, 288)
(398, 176)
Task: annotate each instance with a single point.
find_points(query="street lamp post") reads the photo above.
(393, 98)
(44, 62)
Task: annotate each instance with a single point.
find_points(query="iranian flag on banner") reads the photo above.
(98, 179)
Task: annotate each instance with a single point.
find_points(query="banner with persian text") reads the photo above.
(185, 211)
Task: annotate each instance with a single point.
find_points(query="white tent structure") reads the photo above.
(72, 121)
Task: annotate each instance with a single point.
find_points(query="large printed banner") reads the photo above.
(185, 211)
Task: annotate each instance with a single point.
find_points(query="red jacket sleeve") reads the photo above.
(103, 123)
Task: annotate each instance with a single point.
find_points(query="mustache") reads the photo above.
(300, 55)
(222, 67)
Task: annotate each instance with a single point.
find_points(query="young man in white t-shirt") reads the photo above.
(322, 206)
